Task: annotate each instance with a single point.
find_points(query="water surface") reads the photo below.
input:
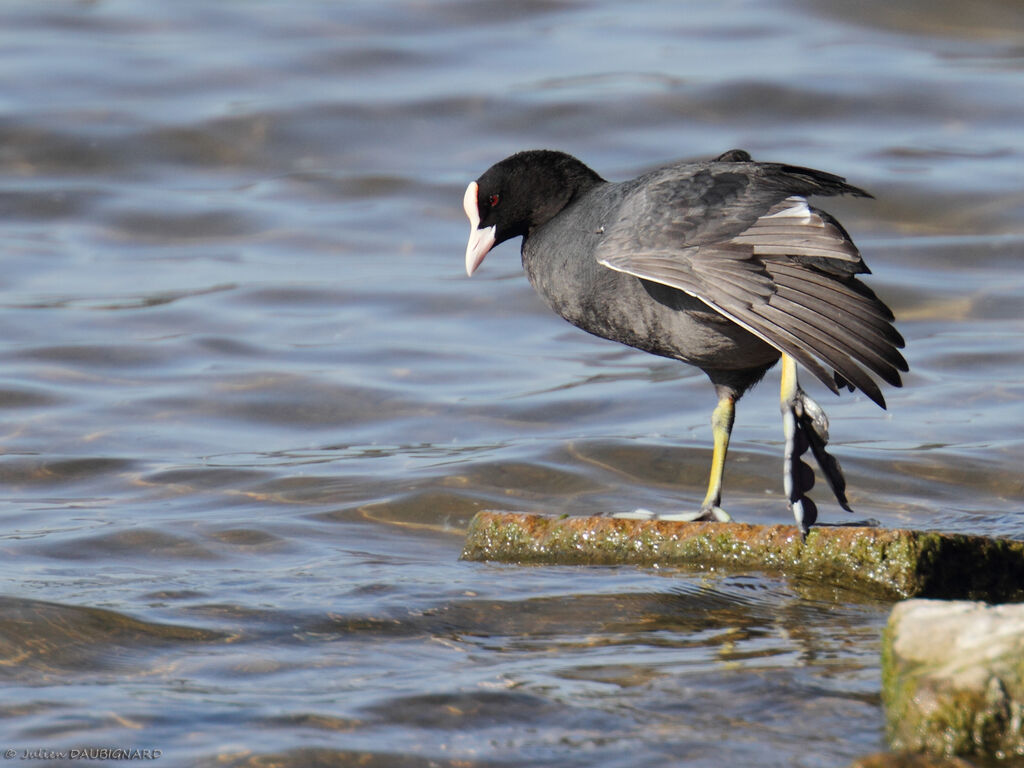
(250, 399)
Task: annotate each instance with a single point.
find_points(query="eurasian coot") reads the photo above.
(721, 264)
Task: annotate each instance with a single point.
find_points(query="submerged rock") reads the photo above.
(909, 760)
(953, 678)
(892, 564)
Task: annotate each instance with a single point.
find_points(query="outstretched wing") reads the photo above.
(742, 238)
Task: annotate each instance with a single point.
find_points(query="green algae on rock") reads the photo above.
(889, 563)
(953, 678)
(908, 760)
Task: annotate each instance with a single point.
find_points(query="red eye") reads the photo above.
(493, 200)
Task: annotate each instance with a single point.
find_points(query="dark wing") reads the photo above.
(741, 237)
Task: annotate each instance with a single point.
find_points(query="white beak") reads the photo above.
(480, 240)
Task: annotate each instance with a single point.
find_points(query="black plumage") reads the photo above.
(721, 264)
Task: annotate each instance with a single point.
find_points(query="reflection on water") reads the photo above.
(250, 401)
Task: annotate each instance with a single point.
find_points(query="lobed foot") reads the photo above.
(806, 427)
(869, 522)
(708, 514)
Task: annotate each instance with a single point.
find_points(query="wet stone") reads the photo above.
(953, 678)
(887, 563)
(909, 760)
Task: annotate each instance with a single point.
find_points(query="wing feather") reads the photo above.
(863, 324)
(864, 348)
(742, 238)
(793, 228)
(824, 349)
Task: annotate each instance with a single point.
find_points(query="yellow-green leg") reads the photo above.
(721, 428)
(789, 383)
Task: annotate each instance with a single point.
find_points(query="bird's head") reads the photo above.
(517, 195)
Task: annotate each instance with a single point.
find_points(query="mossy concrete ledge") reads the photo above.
(890, 563)
(953, 678)
(909, 760)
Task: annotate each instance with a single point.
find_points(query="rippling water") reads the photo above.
(250, 399)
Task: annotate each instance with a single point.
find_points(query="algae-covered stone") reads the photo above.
(953, 678)
(909, 760)
(888, 563)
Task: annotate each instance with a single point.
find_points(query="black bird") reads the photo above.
(719, 264)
